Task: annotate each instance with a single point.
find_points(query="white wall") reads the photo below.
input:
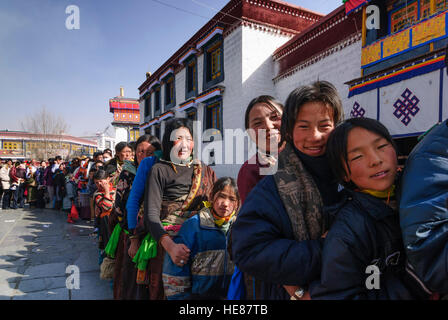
(249, 70)
(337, 68)
(121, 134)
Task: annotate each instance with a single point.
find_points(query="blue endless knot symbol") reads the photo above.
(406, 107)
(358, 111)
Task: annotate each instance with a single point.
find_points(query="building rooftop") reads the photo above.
(22, 135)
(285, 17)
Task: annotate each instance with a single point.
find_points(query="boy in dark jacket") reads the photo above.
(363, 255)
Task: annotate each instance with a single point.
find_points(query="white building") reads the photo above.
(394, 74)
(271, 47)
(104, 139)
(216, 73)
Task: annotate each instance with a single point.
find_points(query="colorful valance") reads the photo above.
(187, 54)
(187, 104)
(414, 69)
(216, 30)
(208, 95)
(166, 115)
(150, 123)
(166, 73)
(351, 5)
(118, 105)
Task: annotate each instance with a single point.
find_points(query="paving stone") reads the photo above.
(41, 284)
(8, 261)
(35, 253)
(92, 288)
(9, 275)
(87, 261)
(52, 294)
(46, 270)
(6, 291)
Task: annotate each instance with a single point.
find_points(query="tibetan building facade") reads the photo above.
(393, 73)
(403, 81)
(126, 121)
(25, 145)
(218, 71)
(328, 50)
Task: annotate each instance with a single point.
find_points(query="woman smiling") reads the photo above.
(277, 235)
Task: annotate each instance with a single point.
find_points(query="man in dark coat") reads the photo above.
(423, 208)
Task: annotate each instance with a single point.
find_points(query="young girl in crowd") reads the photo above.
(365, 240)
(207, 273)
(277, 235)
(263, 113)
(104, 199)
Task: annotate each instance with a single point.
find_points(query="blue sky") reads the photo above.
(73, 73)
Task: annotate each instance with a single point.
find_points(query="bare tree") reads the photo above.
(47, 125)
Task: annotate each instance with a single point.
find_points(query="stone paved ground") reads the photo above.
(36, 246)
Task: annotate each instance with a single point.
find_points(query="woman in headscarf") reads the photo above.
(125, 286)
(277, 237)
(123, 151)
(175, 191)
(104, 199)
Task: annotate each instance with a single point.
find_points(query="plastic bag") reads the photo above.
(74, 214)
(107, 268)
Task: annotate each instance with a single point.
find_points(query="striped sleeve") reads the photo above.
(105, 204)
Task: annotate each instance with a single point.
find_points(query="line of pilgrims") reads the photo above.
(327, 208)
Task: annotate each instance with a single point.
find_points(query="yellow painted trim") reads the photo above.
(364, 30)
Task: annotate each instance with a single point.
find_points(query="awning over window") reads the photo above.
(351, 5)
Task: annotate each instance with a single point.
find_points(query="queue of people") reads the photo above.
(322, 202)
(316, 206)
(53, 184)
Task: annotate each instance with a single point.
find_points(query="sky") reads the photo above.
(74, 73)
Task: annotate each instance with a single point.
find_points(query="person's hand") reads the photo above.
(97, 212)
(291, 289)
(133, 248)
(178, 252)
(106, 187)
(292, 292)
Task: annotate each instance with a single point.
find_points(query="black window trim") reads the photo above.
(208, 84)
(172, 103)
(221, 112)
(194, 92)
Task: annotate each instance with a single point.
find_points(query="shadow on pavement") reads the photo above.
(37, 246)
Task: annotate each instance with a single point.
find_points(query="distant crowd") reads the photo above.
(53, 184)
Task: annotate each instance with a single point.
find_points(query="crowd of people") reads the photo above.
(168, 228)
